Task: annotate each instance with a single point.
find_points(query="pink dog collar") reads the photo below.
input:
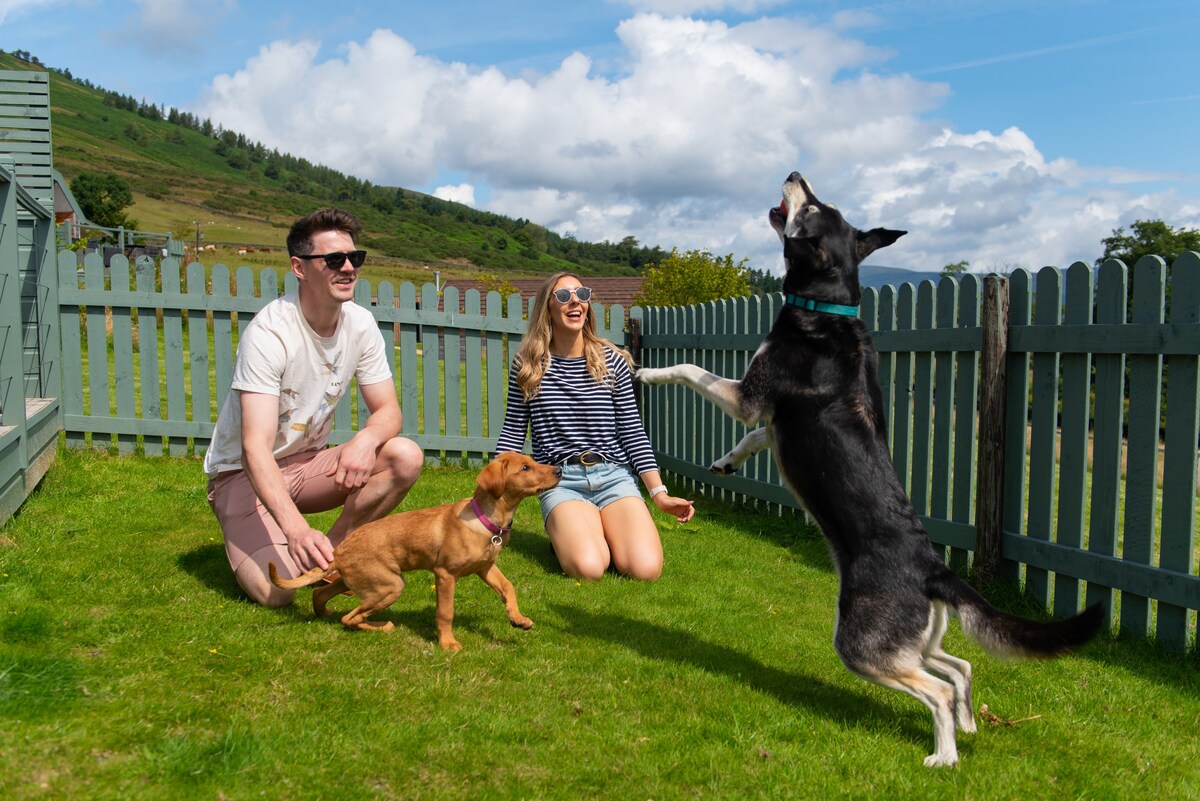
(497, 531)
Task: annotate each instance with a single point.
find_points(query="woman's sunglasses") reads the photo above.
(334, 261)
(582, 294)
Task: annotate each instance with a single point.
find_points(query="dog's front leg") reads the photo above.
(752, 443)
(445, 581)
(726, 393)
(504, 588)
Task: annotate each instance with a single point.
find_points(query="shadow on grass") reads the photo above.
(534, 546)
(208, 565)
(659, 642)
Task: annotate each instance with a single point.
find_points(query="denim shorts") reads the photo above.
(599, 484)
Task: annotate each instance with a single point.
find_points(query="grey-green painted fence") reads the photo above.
(1076, 524)
(170, 337)
(1073, 516)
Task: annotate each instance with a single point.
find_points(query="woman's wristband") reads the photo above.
(656, 490)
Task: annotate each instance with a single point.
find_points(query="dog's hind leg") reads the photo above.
(752, 443)
(323, 593)
(504, 588)
(378, 597)
(957, 671)
(936, 694)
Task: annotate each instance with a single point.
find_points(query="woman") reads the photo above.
(574, 392)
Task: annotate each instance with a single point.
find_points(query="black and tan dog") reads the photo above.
(452, 540)
(813, 383)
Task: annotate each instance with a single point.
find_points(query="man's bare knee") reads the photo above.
(258, 587)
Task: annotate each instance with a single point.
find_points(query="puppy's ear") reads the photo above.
(876, 238)
(491, 478)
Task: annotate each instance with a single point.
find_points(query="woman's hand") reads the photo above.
(681, 508)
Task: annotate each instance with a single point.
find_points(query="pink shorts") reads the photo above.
(247, 525)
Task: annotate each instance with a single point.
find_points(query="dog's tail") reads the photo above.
(303, 580)
(1002, 634)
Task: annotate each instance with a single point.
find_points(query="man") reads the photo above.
(268, 464)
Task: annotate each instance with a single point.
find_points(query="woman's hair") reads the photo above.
(533, 357)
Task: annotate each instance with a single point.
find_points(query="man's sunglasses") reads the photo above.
(334, 261)
(582, 294)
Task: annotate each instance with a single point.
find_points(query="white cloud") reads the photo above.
(687, 146)
(460, 193)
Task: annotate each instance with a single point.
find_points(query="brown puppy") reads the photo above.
(452, 540)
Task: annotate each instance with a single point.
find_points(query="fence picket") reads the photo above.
(474, 385)
(197, 347)
(122, 345)
(1043, 446)
(146, 275)
(1107, 431)
(1073, 467)
(70, 335)
(1178, 548)
(902, 387)
(1141, 470)
(966, 419)
(173, 354)
(922, 408)
(1016, 419)
(97, 348)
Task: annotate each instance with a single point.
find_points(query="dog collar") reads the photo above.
(820, 306)
(497, 531)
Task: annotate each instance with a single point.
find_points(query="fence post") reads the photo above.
(989, 504)
(635, 350)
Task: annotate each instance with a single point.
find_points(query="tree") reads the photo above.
(764, 282)
(955, 269)
(693, 277)
(1149, 238)
(103, 198)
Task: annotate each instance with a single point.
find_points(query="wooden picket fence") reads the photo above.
(169, 336)
(1060, 477)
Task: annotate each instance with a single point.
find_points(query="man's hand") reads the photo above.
(310, 548)
(355, 464)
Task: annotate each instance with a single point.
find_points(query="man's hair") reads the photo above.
(299, 240)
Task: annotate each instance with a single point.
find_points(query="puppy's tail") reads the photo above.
(303, 580)
(1002, 634)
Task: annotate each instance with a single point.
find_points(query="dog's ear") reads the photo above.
(491, 478)
(876, 238)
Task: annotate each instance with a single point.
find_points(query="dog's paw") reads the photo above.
(723, 467)
(451, 645)
(521, 623)
(650, 375)
(942, 760)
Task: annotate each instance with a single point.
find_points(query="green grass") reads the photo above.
(131, 668)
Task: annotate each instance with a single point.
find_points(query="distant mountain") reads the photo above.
(877, 276)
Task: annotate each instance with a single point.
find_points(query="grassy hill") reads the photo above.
(188, 177)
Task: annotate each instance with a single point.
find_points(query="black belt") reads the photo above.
(587, 459)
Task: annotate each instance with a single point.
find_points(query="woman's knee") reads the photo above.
(589, 568)
(646, 569)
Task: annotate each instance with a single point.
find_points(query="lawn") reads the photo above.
(131, 668)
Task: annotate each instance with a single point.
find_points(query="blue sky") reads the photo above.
(1008, 134)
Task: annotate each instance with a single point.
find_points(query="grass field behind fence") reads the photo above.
(131, 668)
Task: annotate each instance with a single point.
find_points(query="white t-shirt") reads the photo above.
(279, 354)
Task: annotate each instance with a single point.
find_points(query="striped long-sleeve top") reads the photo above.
(573, 413)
